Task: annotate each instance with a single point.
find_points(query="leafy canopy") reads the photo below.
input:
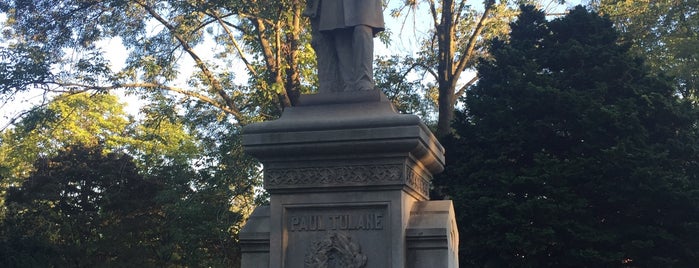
(189, 49)
(666, 32)
(195, 187)
(570, 153)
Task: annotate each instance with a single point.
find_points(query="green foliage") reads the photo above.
(85, 209)
(81, 208)
(71, 119)
(407, 96)
(92, 120)
(200, 186)
(21, 68)
(186, 141)
(56, 45)
(666, 32)
(570, 154)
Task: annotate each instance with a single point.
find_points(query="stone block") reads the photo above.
(254, 239)
(432, 236)
(344, 172)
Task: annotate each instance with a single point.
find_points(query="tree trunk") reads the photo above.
(446, 111)
(445, 35)
(293, 80)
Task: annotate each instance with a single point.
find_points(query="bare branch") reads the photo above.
(433, 11)
(463, 89)
(460, 10)
(250, 67)
(240, 29)
(217, 87)
(427, 69)
(189, 93)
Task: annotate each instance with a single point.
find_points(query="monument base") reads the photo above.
(348, 179)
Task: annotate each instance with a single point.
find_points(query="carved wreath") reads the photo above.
(347, 253)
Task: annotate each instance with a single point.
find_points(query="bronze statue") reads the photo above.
(342, 36)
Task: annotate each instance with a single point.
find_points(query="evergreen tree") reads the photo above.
(569, 154)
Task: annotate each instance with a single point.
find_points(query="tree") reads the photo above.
(72, 119)
(207, 205)
(407, 96)
(90, 120)
(81, 208)
(457, 37)
(204, 185)
(53, 45)
(663, 31)
(571, 154)
(459, 31)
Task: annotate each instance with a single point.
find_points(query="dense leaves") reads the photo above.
(21, 68)
(570, 154)
(85, 185)
(58, 45)
(407, 96)
(666, 32)
(92, 120)
(81, 209)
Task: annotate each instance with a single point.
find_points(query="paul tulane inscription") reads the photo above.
(335, 235)
(342, 222)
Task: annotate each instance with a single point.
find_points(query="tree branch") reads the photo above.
(427, 69)
(460, 10)
(463, 89)
(195, 95)
(433, 11)
(471, 45)
(264, 43)
(217, 87)
(250, 67)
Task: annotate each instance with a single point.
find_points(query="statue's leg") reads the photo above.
(363, 42)
(324, 46)
(345, 55)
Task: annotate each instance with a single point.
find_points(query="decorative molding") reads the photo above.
(335, 248)
(417, 182)
(346, 176)
(343, 175)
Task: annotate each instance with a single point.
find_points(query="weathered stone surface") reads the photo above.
(432, 237)
(349, 181)
(254, 239)
(364, 228)
(363, 141)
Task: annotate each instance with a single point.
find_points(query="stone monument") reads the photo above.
(348, 176)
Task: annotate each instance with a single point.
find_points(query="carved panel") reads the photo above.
(335, 250)
(344, 175)
(417, 182)
(330, 235)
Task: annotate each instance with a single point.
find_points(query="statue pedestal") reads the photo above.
(349, 183)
